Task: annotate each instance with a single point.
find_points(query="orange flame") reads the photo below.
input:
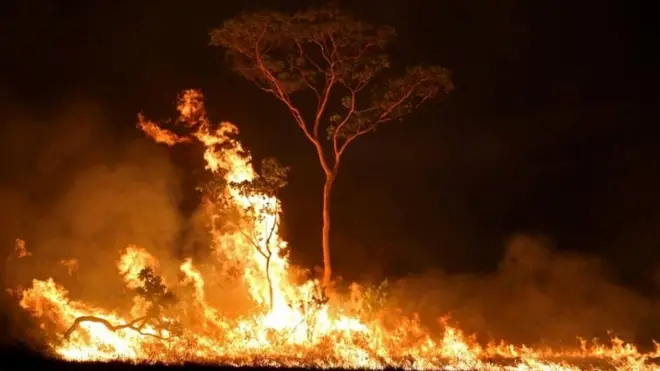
(20, 251)
(158, 134)
(289, 325)
(71, 265)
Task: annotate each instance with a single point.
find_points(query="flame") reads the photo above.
(71, 265)
(20, 251)
(159, 135)
(290, 325)
(131, 262)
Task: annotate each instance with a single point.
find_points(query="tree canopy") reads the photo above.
(330, 54)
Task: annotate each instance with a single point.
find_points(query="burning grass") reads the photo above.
(286, 320)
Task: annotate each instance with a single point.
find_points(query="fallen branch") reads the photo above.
(110, 326)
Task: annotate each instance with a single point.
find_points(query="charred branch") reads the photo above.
(132, 325)
(154, 291)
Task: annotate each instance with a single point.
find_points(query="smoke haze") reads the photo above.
(537, 295)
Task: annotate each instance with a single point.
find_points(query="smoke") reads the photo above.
(78, 193)
(109, 207)
(537, 295)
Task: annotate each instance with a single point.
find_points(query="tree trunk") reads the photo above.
(327, 267)
(270, 281)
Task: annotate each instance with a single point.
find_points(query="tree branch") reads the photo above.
(301, 55)
(284, 97)
(339, 127)
(352, 137)
(324, 102)
(308, 58)
(130, 325)
(335, 52)
(323, 53)
(330, 80)
(270, 234)
(383, 117)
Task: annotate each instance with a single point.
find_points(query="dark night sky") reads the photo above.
(552, 127)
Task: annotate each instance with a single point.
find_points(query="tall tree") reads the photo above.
(342, 62)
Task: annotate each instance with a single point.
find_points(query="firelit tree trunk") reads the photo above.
(327, 266)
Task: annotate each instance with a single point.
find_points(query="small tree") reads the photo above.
(255, 228)
(341, 61)
(260, 232)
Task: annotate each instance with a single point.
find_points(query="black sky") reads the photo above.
(552, 127)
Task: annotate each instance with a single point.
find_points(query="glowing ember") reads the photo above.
(290, 324)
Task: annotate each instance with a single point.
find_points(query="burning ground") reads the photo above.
(241, 302)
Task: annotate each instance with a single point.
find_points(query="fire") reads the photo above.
(71, 265)
(20, 251)
(291, 324)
